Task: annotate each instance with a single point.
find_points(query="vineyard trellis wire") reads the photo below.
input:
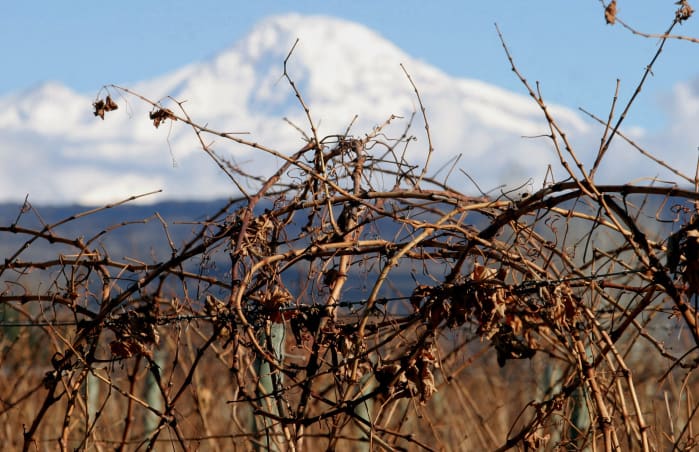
(350, 300)
(525, 286)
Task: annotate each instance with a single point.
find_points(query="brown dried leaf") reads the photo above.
(215, 307)
(481, 273)
(272, 302)
(535, 440)
(221, 316)
(99, 108)
(428, 355)
(110, 105)
(136, 331)
(515, 322)
(102, 106)
(127, 348)
(389, 376)
(438, 311)
(418, 372)
(160, 115)
(509, 346)
(610, 13)
(563, 307)
(426, 385)
(684, 12)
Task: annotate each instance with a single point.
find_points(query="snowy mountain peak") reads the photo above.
(332, 58)
(342, 69)
(319, 37)
(323, 37)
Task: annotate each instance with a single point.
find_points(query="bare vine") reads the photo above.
(323, 309)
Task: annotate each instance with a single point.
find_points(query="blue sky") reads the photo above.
(564, 44)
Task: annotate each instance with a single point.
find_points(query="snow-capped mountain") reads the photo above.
(55, 150)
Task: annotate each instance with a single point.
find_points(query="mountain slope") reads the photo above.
(59, 153)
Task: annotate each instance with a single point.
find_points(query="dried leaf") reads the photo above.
(509, 346)
(160, 115)
(221, 316)
(102, 106)
(426, 385)
(136, 331)
(481, 273)
(610, 13)
(684, 12)
(536, 441)
(418, 373)
(127, 348)
(99, 108)
(389, 376)
(438, 311)
(110, 105)
(272, 302)
(514, 322)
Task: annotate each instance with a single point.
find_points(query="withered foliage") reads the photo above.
(136, 331)
(610, 13)
(684, 11)
(101, 106)
(159, 115)
(348, 300)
